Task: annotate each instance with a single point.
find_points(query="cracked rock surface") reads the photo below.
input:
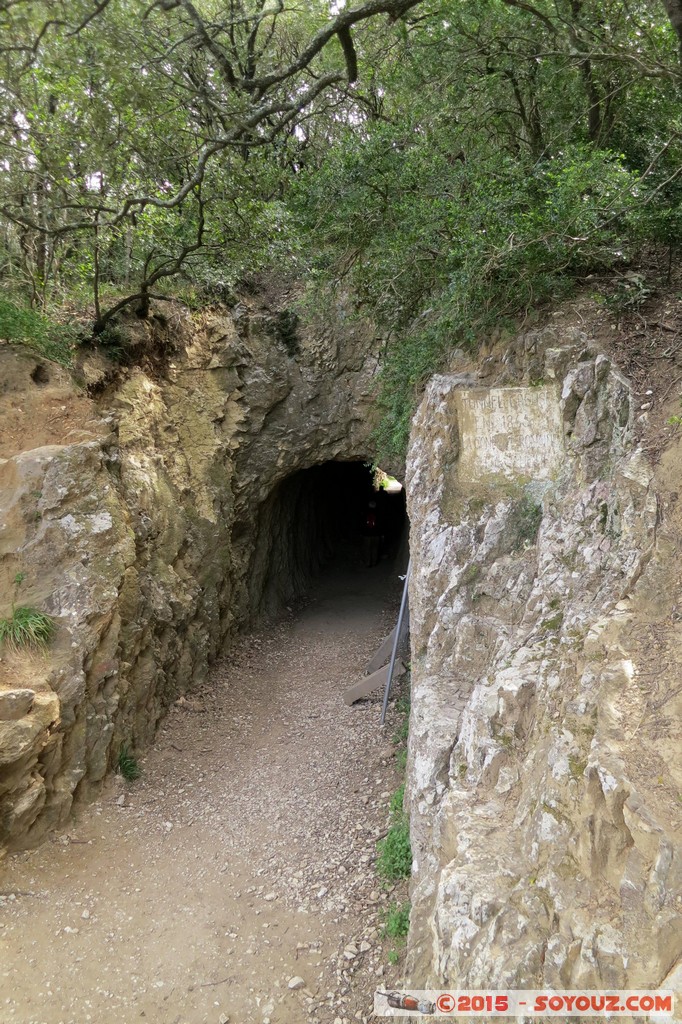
(544, 773)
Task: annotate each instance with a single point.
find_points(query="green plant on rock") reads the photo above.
(471, 574)
(528, 519)
(127, 765)
(576, 766)
(27, 629)
(397, 923)
(554, 623)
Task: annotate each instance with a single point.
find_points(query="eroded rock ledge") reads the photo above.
(544, 769)
(147, 537)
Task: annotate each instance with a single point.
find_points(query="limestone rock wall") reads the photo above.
(143, 536)
(544, 773)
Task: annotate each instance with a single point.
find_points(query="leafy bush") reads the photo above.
(27, 628)
(397, 922)
(446, 235)
(631, 291)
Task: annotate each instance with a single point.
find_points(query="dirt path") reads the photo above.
(241, 860)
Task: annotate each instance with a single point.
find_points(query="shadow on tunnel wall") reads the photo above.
(315, 520)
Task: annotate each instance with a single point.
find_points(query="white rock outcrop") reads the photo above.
(544, 770)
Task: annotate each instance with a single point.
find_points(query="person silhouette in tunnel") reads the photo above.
(371, 537)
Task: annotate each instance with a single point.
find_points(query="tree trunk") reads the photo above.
(594, 101)
(142, 307)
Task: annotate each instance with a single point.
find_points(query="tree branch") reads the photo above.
(547, 22)
(209, 43)
(349, 53)
(394, 8)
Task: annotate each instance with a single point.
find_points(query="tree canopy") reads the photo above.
(138, 138)
(450, 162)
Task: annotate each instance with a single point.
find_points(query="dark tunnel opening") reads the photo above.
(326, 519)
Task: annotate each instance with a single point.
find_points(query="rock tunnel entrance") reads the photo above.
(319, 519)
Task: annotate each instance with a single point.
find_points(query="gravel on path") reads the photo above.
(235, 880)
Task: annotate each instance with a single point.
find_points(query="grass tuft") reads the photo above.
(27, 629)
(127, 765)
(30, 327)
(397, 800)
(402, 732)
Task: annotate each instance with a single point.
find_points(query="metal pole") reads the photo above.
(396, 642)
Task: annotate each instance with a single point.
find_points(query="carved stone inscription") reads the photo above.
(516, 432)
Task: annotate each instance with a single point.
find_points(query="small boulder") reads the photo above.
(14, 704)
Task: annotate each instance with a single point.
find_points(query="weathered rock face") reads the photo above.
(544, 769)
(147, 537)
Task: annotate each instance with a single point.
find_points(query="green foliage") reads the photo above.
(491, 155)
(528, 516)
(127, 765)
(450, 252)
(471, 573)
(32, 328)
(171, 166)
(397, 800)
(397, 923)
(403, 703)
(577, 766)
(502, 170)
(395, 853)
(393, 956)
(27, 629)
(401, 733)
(631, 291)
